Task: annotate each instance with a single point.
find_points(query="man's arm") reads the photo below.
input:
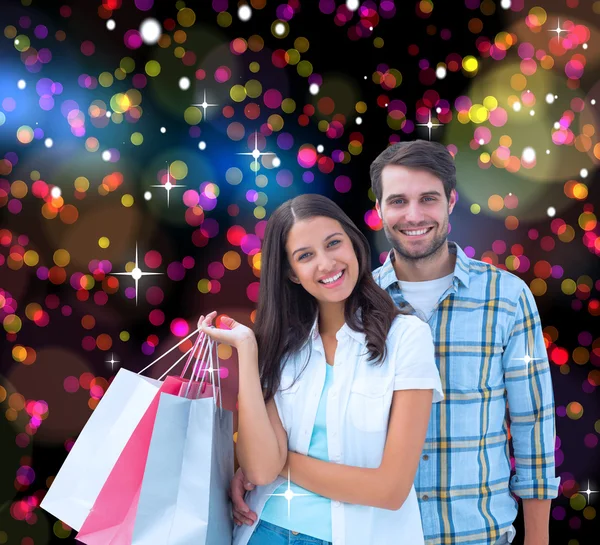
(531, 408)
(536, 514)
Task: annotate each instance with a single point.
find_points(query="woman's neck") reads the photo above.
(331, 317)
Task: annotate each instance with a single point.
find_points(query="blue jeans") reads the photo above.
(269, 534)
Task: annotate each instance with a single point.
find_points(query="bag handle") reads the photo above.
(200, 355)
(168, 352)
(214, 355)
(199, 339)
(211, 348)
(219, 377)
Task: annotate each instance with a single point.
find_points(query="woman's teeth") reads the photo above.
(332, 279)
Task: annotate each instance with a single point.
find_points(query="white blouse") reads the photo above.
(358, 409)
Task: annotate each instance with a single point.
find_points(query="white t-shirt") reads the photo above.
(424, 296)
(358, 409)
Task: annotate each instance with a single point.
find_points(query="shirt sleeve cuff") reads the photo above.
(535, 489)
(420, 384)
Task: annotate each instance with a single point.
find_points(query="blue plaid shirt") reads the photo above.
(489, 350)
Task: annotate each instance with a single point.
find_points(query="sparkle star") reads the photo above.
(112, 361)
(209, 369)
(588, 491)
(289, 494)
(430, 125)
(168, 186)
(256, 153)
(136, 273)
(204, 104)
(558, 30)
(527, 359)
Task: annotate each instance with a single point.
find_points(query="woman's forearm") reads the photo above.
(362, 486)
(257, 446)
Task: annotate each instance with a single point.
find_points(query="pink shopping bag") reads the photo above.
(112, 517)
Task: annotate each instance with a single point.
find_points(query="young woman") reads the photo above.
(335, 389)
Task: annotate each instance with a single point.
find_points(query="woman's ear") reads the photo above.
(294, 279)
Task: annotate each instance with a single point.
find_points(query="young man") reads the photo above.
(491, 356)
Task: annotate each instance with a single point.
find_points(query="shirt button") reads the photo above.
(295, 533)
(425, 457)
(336, 503)
(424, 497)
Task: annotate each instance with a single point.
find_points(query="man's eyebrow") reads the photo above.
(402, 196)
(306, 247)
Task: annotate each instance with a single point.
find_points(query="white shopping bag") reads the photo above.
(99, 445)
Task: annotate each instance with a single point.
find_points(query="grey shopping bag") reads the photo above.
(183, 499)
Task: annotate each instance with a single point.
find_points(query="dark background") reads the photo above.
(155, 227)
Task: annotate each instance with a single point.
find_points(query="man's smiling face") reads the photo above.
(414, 211)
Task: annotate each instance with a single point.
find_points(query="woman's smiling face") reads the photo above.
(322, 259)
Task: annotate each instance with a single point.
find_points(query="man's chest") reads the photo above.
(469, 337)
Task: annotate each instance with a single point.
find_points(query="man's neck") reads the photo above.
(436, 266)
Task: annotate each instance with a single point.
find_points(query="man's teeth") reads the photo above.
(333, 278)
(416, 233)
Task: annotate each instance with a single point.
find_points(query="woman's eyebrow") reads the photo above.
(308, 247)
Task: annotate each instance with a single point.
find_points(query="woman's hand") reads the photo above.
(236, 334)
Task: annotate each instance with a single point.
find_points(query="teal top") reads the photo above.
(309, 513)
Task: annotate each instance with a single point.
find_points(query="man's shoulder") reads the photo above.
(482, 274)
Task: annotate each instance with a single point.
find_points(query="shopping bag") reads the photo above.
(99, 445)
(111, 519)
(183, 498)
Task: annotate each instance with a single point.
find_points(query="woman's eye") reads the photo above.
(334, 242)
(303, 256)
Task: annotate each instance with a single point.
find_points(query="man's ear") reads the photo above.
(452, 201)
(378, 208)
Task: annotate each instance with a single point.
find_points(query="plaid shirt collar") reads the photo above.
(386, 275)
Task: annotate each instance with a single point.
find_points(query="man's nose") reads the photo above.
(413, 213)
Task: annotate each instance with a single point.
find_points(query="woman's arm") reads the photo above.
(388, 485)
(262, 442)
